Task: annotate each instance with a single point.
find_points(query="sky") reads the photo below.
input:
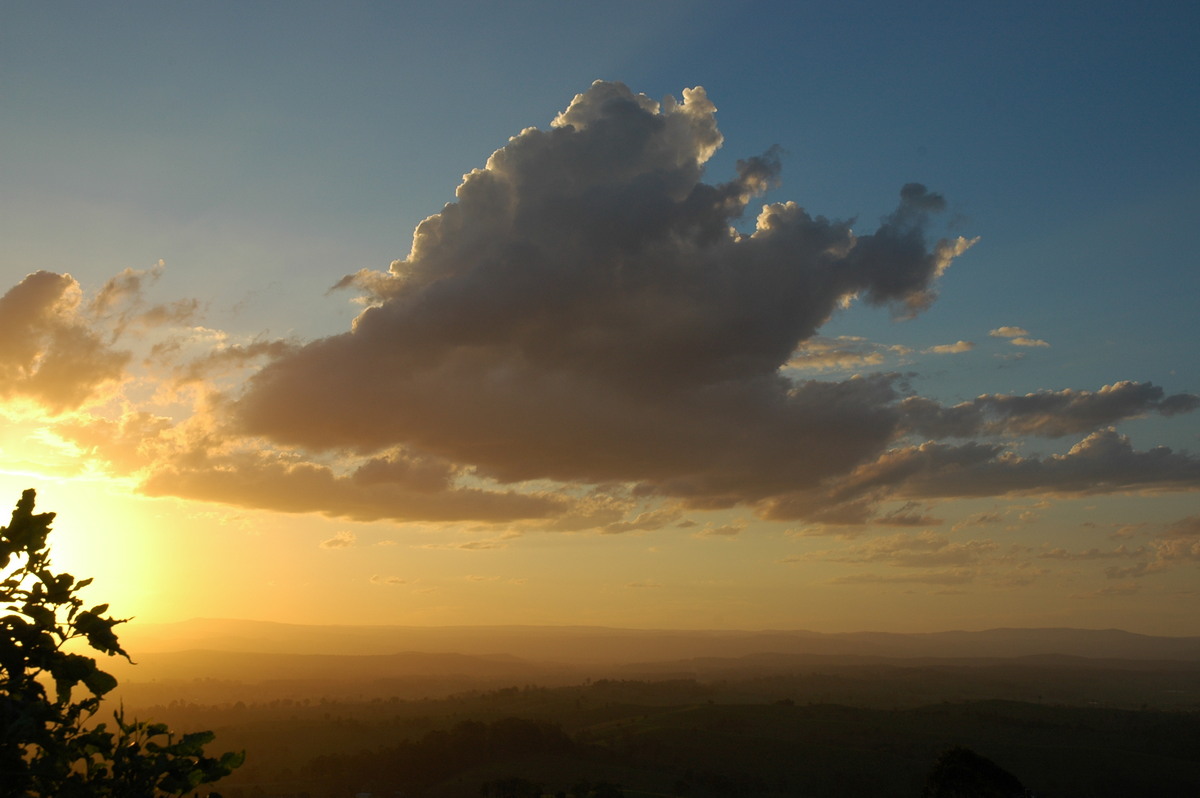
(839, 317)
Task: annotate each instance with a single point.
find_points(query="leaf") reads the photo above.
(100, 682)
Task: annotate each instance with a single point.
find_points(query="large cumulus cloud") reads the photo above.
(585, 311)
(589, 337)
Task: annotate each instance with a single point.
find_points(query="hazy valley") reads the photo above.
(332, 711)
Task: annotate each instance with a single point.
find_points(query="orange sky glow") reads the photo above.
(288, 334)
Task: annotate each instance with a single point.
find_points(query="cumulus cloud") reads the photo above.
(1178, 544)
(585, 312)
(590, 337)
(49, 349)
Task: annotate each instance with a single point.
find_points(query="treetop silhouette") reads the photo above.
(49, 696)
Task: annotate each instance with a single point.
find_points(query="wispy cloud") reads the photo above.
(342, 540)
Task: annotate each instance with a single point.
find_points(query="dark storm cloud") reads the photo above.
(585, 312)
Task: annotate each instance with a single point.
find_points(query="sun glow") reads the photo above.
(100, 531)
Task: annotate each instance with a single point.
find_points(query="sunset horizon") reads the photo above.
(400, 318)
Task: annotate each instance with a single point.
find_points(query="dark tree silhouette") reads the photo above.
(49, 742)
(962, 773)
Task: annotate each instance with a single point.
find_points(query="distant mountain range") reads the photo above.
(221, 662)
(584, 645)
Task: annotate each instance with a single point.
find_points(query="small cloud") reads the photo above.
(342, 540)
(471, 545)
(480, 544)
(982, 519)
(950, 349)
(1122, 589)
(643, 585)
(1121, 552)
(822, 531)
(956, 577)
(845, 352)
(908, 515)
(723, 531)
(388, 580)
(1126, 531)
(388, 542)
(644, 522)
(1009, 332)
(1017, 336)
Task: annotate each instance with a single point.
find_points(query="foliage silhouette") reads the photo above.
(962, 773)
(49, 745)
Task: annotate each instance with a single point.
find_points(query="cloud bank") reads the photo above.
(589, 336)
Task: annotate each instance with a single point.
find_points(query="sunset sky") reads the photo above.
(829, 316)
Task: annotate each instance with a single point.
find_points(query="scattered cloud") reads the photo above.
(342, 540)
(722, 531)
(908, 515)
(950, 349)
(1049, 414)
(1104, 462)
(922, 550)
(1121, 552)
(1017, 336)
(951, 577)
(1110, 591)
(644, 522)
(980, 519)
(842, 353)
(388, 580)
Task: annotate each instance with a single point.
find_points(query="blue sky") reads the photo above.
(262, 151)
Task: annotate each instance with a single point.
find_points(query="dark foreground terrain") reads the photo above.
(794, 723)
(623, 734)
